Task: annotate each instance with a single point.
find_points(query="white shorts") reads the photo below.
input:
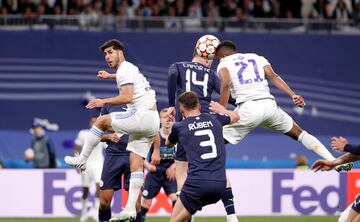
(141, 126)
(92, 174)
(264, 113)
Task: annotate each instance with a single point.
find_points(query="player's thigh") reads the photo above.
(145, 122)
(152, 186)
(250, 117)
(140, 144)
(277, 119)
(180, 213)
(181, 168)
(354, 216)
(105, 197)
(114, 167)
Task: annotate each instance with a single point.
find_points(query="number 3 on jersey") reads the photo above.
(207, 143)
(243, 68)
(191, 79)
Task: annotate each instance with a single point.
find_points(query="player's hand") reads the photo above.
(114, 138)
(323, 165)
(298, 100)
(155, 158)
(170, 173)
(216, 107)
(338, 143)
(102, 74)
(95, 103)
(151, 168)
(171, 113)
(78, 170)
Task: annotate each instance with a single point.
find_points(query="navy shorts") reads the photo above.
(356, 204)
(180, 153)
(154, 182)
(114, 167)
(196, 194)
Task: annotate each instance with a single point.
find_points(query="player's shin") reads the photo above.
(91, 140)
(143, 213)
(313, 144)
(136, 182)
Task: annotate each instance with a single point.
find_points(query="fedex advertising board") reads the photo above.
(57, 193)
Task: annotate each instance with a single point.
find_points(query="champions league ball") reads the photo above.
(206, 46)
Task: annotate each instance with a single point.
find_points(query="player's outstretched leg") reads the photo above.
(136, 182)
(313, 144)
(180, 214)
(92, 139)
(228, 201)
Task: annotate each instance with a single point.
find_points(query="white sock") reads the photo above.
(136, 182)
(92, 139)
(96, 206)
(84, 207)
(313, 144)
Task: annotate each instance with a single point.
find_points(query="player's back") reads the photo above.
(144, 95)
(202, 139)
(197, 78)
(247, 76)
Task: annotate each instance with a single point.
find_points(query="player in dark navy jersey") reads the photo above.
(195, 76)
(162, 175)
(116, 165)
(202, 139)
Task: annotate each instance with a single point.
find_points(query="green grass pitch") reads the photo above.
(197, 219)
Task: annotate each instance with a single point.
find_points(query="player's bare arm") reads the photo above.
(171, 113)
(218, 108)
(155, 156)
(110, 137)
(281, 84)
(149, 166)
(225, 85)
(326, 165)
(125, 97)
(102, 74)
(170, 172)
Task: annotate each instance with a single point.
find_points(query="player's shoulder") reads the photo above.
(125, 65)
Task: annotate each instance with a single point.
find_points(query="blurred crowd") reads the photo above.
(241, 9)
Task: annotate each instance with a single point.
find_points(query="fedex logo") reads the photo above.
(54, 187)
(311, 193)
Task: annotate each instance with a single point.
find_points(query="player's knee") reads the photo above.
(104, 203)
(146, 203)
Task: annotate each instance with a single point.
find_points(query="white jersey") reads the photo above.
(144, 96)
(247, 76)
(96, 157)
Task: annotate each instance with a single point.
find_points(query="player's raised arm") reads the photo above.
(225, 84)
(326, 165)
(218, 108)
(102, 74)
(281, 84)
(125, 97)
(172, 80)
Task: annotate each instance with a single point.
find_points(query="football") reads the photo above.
(206, 46)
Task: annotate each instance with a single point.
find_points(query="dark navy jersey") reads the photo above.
(192, 76)
(202, 139)
(166, 154)
(120, 147)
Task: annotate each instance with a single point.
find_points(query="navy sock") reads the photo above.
(105, 215)
(143, 214)
(228, 201)
(138, 217)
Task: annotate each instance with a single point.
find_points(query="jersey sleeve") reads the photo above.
(353, 149)
(104, 110)
(173, 137)
(224, 119)
(172, 80)
(79, 139)
(263, 62)
(125, 75)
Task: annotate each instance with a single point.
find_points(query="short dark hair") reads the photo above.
(227, 44)
(189, 100)
(116, 44)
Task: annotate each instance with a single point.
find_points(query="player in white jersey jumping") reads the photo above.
(92, 174)
(244, 76)
(140, 121)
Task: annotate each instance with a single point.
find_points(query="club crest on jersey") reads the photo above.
(200, 125)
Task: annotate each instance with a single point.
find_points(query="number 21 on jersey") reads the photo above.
(191, 78)
(255, 72)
